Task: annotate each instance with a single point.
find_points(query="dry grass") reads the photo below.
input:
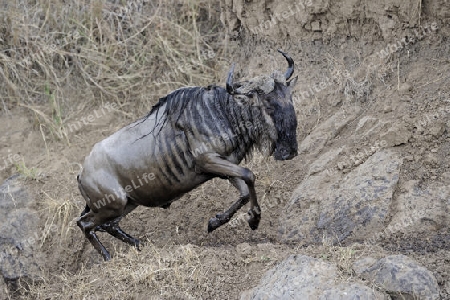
(161, 272)
(155, 273)
(61, 59)
(58, 56)
(58, 212)
(26, 172)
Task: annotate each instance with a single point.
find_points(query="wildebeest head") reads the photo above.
(274, 94)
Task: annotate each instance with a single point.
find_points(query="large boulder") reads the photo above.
(420, 208)
(338, 208)
(304, 277)
(401, 277)
(19, 233)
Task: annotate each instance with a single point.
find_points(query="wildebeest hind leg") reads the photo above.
(112, 227)
(93, 220)
(224, 217)
(91, 236)
(87, 226)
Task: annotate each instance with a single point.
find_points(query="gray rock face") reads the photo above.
(303, 277)
(19, 232)
(402, 278)
(323, 161)
(17, 244)
(327, 130)
(3, 290)
(363, 264)
(12, 196)
(336, 209)
(421, 208)
(396, 135)
(354, 291)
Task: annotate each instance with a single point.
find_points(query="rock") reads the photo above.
(327, 130)
(446, 177)
(396, 135)
(363, 264)
(353, 207)
(315, 26)
(421, 208)
(409, 157)
(17, 244)
(352, 291)
(321, 163)
(19, 233)
(402, 278)
(387, 108)
(386, 25)
(431, 159)
(366, 125)
(244, 249)
(303, 277)
(437, 129)
(405, 88)
(4, 293)
(12, 196)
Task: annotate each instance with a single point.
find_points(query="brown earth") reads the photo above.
(180, 260)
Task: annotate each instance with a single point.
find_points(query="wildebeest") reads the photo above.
(190, 136)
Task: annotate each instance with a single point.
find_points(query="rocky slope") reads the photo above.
(374, 138)
(363, 211)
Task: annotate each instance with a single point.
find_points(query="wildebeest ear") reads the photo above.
(237, 85)
(292, 82)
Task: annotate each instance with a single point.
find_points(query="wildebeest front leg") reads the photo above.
(214, 164)
(224, 217)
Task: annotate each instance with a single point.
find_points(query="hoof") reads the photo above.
(106, 256)
(217, 221)
(138, 245)
(253, 224)
(213, 224)
(254, 219)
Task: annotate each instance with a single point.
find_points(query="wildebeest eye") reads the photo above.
(260, 92)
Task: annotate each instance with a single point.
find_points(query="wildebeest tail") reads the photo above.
(83, 193)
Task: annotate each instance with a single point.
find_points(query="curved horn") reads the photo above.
(230, 88)
(290, 61)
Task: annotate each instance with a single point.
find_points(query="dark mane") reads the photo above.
(176, 102)
(174, 98)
